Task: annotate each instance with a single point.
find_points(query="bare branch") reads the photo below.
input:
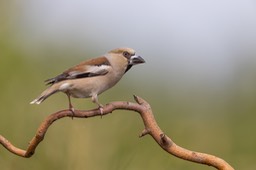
(151, 128)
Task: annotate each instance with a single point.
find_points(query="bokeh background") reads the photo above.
(200, 79)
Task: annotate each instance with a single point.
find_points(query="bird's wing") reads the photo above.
(94, 67)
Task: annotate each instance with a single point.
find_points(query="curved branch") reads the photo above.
(151, 128)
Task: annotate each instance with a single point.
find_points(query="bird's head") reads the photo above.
(128, 55)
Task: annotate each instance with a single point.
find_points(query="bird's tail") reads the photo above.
(48, 92)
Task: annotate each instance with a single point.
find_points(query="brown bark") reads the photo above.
(151, 128)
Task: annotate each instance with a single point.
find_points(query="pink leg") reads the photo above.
(95, 100)
(71, 108)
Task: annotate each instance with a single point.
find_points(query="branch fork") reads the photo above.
(150, 128)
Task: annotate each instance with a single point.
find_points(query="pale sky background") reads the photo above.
(203, 41)
(199, 76)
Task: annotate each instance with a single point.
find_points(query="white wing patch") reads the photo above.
(97, 69)
(91, 71)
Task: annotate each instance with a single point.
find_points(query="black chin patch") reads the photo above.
(128, 68)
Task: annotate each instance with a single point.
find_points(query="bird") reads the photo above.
(91, 77)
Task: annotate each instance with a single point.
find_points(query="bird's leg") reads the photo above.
(71, 108)
(95, 100)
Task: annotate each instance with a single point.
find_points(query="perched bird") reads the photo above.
(92, 77)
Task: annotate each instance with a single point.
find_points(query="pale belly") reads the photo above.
(87, 87)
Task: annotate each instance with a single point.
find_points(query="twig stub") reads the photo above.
(150, 124)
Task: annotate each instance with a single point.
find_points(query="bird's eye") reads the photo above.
(126, 54)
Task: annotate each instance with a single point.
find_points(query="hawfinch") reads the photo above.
(92, 77)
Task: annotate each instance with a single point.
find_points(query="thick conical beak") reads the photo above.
(136, 60)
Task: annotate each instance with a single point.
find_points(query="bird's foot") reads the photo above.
(101, 110)
(72, 111)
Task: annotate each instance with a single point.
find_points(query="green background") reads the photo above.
(210, 115)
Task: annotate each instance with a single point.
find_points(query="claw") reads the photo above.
(95, 100)
(71, 108)
(73, 112)
(101, 111)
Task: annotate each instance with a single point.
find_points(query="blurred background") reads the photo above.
(199, 78)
